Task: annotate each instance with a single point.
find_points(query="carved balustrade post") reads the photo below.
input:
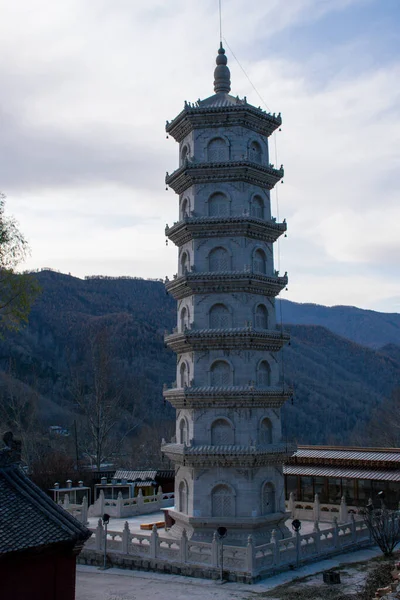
(99, 535)
(140, 501)
(291, 505)
(126, 538)
(317, 537)
(343, 514)
(353, 528)
(317, 509)
(184, 547)
(275, 548)
(101, 498)
(159, 496)
(250, 556)
(154, 542)
(84, 513)
(120, 504)
(214, 551)
(335, 533)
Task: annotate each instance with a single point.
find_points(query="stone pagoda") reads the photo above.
(228, 450)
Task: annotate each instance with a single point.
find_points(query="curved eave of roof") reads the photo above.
(220, 103)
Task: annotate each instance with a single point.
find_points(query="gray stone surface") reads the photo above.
(227, 452)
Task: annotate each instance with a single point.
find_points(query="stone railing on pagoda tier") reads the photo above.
(253, 227)
(239, 396)
(225, 281)
(244, 338)
(207, 455)
(192, 173)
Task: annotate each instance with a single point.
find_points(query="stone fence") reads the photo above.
(79, 511)
(320, 512)
(241, 563)
(130, 507)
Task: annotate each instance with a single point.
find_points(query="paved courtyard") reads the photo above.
(117, 584)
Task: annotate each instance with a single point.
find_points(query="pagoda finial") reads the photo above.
(222, 75)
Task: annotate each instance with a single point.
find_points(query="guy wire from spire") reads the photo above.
(220, 21)
(276, 189)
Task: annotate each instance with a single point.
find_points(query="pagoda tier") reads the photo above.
(225, 282)
(252, 227)
(245, 171)
(229, 387)
(245, 338)
(231, 112)
(240, 396)
(228, 455)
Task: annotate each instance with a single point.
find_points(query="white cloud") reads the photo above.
(87, 87)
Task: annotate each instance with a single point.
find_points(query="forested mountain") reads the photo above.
(107, 331)
(366, 327)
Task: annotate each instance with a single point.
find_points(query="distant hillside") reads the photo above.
(337, 382)
(366, 327)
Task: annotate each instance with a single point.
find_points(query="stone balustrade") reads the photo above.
(79, 511)
(320, 512)
(130, 507)
(242, 563)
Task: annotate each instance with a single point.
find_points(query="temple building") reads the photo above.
(228, 450)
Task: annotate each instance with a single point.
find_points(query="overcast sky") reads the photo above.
(86, 88)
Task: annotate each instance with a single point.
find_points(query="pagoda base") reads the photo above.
(202, 529)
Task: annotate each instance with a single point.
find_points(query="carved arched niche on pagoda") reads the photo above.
(218, 149)
(184, 374)
(257, 151)
(222, 432)
(183, 497)
(184, 262)
(220, 316)
(260, 316)
(218, 204)
(257, 206)
(263, 375)
(185, 208)
(268, 498)
(183, 432)
(184, 318)
(221, 373)
(219, 258)
(223, 500)
(184, 152)
(265, 432)
(259, 261)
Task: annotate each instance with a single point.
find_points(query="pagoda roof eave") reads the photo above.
(245, 225)
(192, 173)
(203, 116)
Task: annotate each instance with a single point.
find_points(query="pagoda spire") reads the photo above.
(222, 75)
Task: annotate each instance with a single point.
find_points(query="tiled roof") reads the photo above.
(373, 454)
(132, 475)
(311, 471)
(222, 100)
(29, 519)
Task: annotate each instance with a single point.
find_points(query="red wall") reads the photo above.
(46, 576)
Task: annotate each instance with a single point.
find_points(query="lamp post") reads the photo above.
(296, 526)
(222, 531)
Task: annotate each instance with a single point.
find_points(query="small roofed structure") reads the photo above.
(129, 482)
(334, 472)
(39, 541)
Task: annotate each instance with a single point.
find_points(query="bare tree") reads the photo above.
(18, 412)
(384, 527)
(104, 422)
